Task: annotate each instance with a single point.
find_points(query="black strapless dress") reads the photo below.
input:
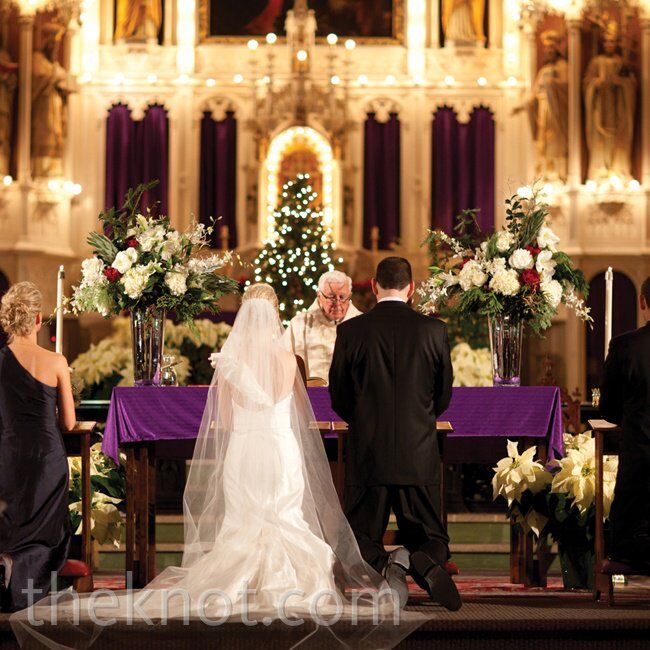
(35, 527)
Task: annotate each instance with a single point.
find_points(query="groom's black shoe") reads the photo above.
(435, 581)
(395, 574)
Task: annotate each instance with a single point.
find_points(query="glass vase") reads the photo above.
(148, 337)
(506, 338)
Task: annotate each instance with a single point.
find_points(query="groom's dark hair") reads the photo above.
(393, 273)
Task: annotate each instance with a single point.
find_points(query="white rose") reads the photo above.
(135, 280)
(545, 265)
(124, 260)
(505, 240)
(547, 239)
(92, 271)
(505, 282)
(177, 282)
(471, 275)
(552, 291)
(521, 259)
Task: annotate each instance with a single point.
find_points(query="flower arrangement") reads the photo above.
(140, 261)
(515, 271)
(558, 500)
(109, 363)
(472, 367)
(108, 490)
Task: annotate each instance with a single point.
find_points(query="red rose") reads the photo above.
(112, 274)
(132, 242)
(531, 278)
(533, 250)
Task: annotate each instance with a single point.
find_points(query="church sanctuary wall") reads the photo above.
(42, 225)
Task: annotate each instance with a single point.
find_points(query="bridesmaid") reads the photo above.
(36, 402)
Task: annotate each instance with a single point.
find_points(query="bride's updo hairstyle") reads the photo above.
(260, 291)
(19, 308)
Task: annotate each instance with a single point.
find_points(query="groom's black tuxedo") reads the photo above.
(390, 377)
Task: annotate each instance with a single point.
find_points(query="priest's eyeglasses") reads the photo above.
(335, 299)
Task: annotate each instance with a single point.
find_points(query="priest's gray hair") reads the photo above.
(334, 277)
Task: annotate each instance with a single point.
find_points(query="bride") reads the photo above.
(265, 537)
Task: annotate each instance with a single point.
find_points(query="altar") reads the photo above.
(150, 423)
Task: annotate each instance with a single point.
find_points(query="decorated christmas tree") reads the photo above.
(299, 251)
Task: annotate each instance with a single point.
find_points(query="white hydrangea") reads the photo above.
(545, 265)
(546, 238)
(92, 271)
(124, 260)
(552, 291)
(521, 259)
(136, 278)
(472, 275)
(505, 240)
(505, 282)
(177, 282)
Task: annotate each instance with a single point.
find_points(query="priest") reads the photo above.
(311, 334)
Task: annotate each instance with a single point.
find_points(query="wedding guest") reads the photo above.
(391, 376)
(312, 333)
(36, 402)
(625, 400)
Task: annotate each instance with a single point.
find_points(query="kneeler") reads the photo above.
(77, 443)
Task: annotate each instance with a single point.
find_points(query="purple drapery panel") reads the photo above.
(462, 167)
(624, 319)
(218, 186)
(381, 180)
(119, 135)
(137, 152)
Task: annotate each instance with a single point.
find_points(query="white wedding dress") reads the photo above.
(265, 536)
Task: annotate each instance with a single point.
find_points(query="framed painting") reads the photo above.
(367, 21)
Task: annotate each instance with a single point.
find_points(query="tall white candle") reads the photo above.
(609, 290)
(59, 310)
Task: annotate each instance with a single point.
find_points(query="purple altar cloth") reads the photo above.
(150, 414)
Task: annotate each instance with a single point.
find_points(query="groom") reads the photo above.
(390, 377)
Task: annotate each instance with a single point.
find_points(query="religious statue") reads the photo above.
(462, 22)
(138, 20)
(50, 90)
(610, 102)
(8, 83)
(548, 110)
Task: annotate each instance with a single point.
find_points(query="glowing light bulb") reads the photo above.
(350, 44)
(449, 80)
(271, 38)
(332, 39)
(210, 83)
(481, 81)
(335, 80)
(238, 78)
(252, 44)
(511, 81)
(301, 55)
(390, 80)
(362, 80)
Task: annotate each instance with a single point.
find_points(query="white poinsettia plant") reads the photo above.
(139, 261)
(558, 499)
(109, 362)
(472, 366)
(516, 271)
(108, 491)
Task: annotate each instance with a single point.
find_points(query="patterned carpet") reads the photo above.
(495, 615)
